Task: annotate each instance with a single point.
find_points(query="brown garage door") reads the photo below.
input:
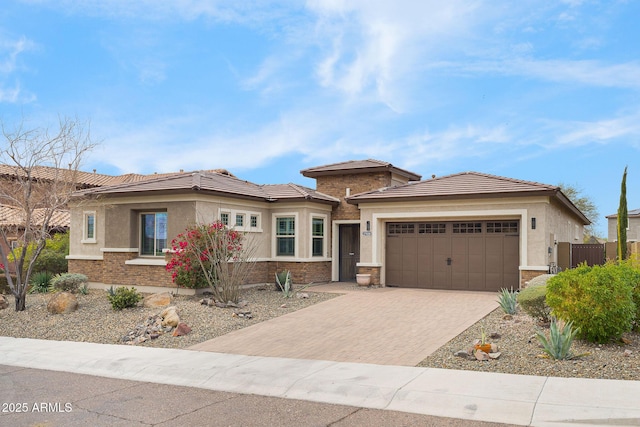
(471, 255)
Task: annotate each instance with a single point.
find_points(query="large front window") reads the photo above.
(286, 236)
(153, 233)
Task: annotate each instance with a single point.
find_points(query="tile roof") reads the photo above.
(213, 182)
(358, 166)
(11, 216)
(465, 185)
(91, 179)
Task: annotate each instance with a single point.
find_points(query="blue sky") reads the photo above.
(546, 91)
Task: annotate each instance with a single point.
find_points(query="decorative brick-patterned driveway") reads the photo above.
(386, 326)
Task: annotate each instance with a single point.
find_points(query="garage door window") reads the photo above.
(402, 228)
(467, 227)
(432, 228)
(502, 227)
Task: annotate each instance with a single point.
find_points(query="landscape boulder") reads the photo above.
(157, 300)
(62, 302)
(181, 329)
(170, 316)
(4, 303)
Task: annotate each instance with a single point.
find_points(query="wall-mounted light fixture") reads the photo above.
(533, 223)
(368, 225)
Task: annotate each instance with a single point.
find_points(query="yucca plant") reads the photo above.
(40, 282)
(508, 300)
(558, 345)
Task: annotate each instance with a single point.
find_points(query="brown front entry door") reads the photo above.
(349, 251)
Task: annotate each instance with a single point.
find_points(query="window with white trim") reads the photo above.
(239, 220)
(254, 221)
(224, 218)
(286, 236)
(317, 236)
(153, 233)
(89, 227)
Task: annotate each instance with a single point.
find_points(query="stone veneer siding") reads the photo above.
(526, 275)
(112, 270)
(373, 271)
(336, 186)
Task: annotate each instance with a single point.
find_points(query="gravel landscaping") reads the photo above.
(520, 352)
(95, 320)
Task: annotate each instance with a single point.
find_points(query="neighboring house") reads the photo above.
(465, 231)
(633, 229)
(12, 221)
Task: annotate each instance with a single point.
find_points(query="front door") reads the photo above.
(349, 251)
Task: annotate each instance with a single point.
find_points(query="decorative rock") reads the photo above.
(481, 355)
(181, 329)
(303, 296)
(242, 313)
(208, 302)
(157, 300)
(62, 302)
(494, 348)
(628, 353)
(4, 303)
(170, 316)
(507, 317)
(494, 355)
(283, 306)
(495, 335)
(462, 353)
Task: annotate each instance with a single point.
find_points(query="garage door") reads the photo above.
(470, 255)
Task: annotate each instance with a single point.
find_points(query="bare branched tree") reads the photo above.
(40, 173)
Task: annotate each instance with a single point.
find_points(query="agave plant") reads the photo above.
(508, 300)
(558, 345)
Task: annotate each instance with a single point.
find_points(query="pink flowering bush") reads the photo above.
(211, 255)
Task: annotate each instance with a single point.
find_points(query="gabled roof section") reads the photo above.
(466, 185)
(635, 213)
(219, 183)
(291, 192)
(358, 166)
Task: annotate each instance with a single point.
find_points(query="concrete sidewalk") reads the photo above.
(478, 396)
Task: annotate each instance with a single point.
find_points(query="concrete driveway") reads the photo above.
(385, 326)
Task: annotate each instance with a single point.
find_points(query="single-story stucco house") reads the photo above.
(469, 230)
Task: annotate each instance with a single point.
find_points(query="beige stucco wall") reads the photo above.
(633, 233)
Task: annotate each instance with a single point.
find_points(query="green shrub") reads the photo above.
(53, 258)
(40, 282)
(533, 302)
(630, 271)
(123, 297)
(558, 345)
(508, 300)
(598, 300)
(68, 282)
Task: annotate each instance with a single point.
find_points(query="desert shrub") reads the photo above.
(533, 301)
(598, 300)
(68, 282)
(40, 282)
(508, 300)
(123, 297)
